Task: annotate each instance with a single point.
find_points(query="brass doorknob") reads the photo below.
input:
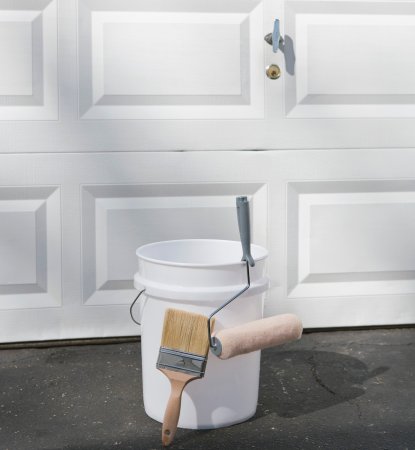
(273, 71)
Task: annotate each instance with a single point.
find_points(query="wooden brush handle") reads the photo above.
(172, 414)
(178, 382)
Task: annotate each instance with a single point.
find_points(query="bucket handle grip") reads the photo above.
(132, 306)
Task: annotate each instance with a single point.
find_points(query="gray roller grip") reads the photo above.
(242, 207)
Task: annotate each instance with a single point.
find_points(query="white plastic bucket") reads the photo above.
(199, 275)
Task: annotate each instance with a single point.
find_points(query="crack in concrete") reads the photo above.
(359, 410)
(357, 407)
(319, 381)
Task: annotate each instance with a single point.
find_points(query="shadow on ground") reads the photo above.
(294, 383)
(90, 398)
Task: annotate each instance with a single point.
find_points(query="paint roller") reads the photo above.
(257, 335)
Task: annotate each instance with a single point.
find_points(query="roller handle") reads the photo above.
(242, 207)
(257, 335)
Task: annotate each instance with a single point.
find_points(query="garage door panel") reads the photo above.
(351, 239)
(182, 60)
(350, 59)
(119, 218)
(28, 53)
(30, 253)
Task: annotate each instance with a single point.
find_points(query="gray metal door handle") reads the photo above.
(275, 38)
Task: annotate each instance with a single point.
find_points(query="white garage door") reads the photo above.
(98, 100)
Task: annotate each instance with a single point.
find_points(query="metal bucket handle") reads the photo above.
(242, 207)
(214, 343)
(132, 306)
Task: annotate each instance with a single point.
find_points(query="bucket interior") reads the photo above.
(197, 252)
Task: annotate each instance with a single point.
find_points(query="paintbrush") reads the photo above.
(182, 358)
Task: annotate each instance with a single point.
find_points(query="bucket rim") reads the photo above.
(263, 254)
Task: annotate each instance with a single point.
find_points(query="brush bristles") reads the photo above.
(186, 332)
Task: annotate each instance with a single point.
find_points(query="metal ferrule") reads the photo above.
(181, 362)
(216, 349)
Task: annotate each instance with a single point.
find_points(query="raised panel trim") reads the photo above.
(44, 203)
(98, 201)
(301, 197)
(40, 102)
(299, 102)
(94, 103)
